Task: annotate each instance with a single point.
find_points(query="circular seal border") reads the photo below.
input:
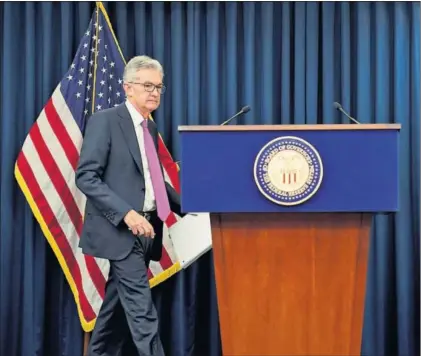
(318, 158)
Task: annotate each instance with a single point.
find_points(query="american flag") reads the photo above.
(45, 167)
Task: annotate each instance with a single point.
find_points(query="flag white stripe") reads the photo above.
(167, 178)
(66, 117)
(155, 268)
(168, 245)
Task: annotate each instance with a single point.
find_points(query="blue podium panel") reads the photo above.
(359, 168)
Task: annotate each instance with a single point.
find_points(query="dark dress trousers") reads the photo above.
(110, 174)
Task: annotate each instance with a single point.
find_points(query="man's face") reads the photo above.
(143, 92)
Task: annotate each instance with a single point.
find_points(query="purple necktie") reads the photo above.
(161, 197)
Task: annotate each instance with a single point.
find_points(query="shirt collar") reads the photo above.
(136, 117)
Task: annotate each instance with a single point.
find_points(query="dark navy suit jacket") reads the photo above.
(110, 174)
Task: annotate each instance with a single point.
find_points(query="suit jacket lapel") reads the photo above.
(127, 127)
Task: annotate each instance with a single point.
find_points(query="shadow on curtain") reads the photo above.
(289, 62)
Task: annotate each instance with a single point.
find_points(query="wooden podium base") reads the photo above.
(291, 284)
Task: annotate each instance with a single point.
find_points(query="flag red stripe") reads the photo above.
(168, 164)
(165, 260)
(96, 275)
(66, 197)
(171, 220)
(56, 232)
(62, 135)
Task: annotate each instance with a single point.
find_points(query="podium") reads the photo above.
(291, 211)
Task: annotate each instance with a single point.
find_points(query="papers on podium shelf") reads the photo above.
(191, 237)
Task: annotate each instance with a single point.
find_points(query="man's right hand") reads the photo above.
(138, 224)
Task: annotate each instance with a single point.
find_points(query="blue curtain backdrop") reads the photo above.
(289, 62)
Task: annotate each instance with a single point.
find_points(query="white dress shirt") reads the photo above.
(150, 203)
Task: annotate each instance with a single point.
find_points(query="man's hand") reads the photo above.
(138, 224)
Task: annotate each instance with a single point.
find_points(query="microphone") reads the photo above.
(338, 107)
(244, 110)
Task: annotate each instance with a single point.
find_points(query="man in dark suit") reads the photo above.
(127, 202)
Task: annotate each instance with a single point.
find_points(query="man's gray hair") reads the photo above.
(140, 62)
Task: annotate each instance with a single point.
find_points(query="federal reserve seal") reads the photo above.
(288, 170)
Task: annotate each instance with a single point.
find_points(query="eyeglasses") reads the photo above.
(150, 87)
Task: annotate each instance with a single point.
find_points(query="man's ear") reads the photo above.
(127, 89)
